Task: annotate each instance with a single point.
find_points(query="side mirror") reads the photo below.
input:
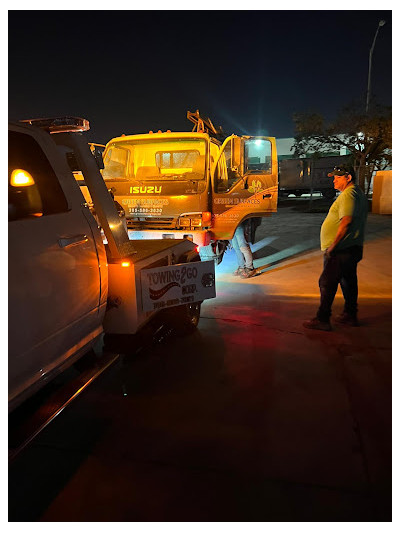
(97, 152)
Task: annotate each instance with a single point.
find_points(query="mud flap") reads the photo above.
(214, 251)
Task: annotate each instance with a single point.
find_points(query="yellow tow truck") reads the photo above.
(192, 185)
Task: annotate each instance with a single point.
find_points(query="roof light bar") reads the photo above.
(59, 124)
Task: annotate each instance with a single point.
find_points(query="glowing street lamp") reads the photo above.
(381, 23)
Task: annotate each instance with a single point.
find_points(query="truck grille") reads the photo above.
(151, 223)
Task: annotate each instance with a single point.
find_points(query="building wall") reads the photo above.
(285, 150)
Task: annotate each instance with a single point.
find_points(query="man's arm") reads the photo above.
(341, 232)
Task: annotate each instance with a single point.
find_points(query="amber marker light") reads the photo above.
(21, 178)
(206, 216)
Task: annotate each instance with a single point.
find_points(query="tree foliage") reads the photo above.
(367, 136)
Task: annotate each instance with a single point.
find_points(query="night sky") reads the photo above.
(249, 71)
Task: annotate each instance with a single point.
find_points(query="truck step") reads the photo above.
(33, 416)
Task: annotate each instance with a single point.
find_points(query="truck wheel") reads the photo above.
(185, 318)
(328, 193)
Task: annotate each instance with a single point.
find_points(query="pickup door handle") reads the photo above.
(72, 241)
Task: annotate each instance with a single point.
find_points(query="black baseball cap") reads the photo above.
(342, 170)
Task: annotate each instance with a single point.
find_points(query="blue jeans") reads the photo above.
(340, 267)
(242, 248)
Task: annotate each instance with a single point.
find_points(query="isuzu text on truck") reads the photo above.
(66, 287)
(191, 185)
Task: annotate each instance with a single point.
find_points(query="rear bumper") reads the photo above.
(201, 238)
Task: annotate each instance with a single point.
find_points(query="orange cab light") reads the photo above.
(126, 263)
(206, 216)
(21, 178)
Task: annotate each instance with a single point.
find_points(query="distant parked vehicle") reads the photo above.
(300, 176)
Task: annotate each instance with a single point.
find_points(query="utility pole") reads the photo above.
(381, 23)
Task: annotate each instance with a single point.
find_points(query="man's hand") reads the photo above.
(329, 250)
(341, 232)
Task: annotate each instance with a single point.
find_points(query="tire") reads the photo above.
(185, 318)
(329, 194)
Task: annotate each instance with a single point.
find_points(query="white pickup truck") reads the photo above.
(67, 286)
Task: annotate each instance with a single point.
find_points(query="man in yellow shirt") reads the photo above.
(342, 238)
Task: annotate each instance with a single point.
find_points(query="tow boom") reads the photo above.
(204, 125)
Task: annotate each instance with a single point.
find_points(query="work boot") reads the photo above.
(248, 272)
(315, 323)
(238, 271)
(347, 320)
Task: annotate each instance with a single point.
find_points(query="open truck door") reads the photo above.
(244, 182)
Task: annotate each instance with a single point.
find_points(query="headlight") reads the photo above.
(196, 220)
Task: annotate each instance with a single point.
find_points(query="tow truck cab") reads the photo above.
(190, 185)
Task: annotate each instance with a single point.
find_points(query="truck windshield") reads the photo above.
(169, 159)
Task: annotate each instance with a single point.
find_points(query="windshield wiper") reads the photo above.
(186, 176)
(116, 179)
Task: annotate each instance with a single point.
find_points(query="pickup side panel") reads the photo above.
(55, 307)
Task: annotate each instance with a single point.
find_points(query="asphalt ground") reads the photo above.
(250, 419)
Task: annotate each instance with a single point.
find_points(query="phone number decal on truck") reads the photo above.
(177, 284)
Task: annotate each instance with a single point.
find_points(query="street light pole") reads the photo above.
(381, 23)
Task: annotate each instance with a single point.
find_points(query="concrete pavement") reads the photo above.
(251, 418)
